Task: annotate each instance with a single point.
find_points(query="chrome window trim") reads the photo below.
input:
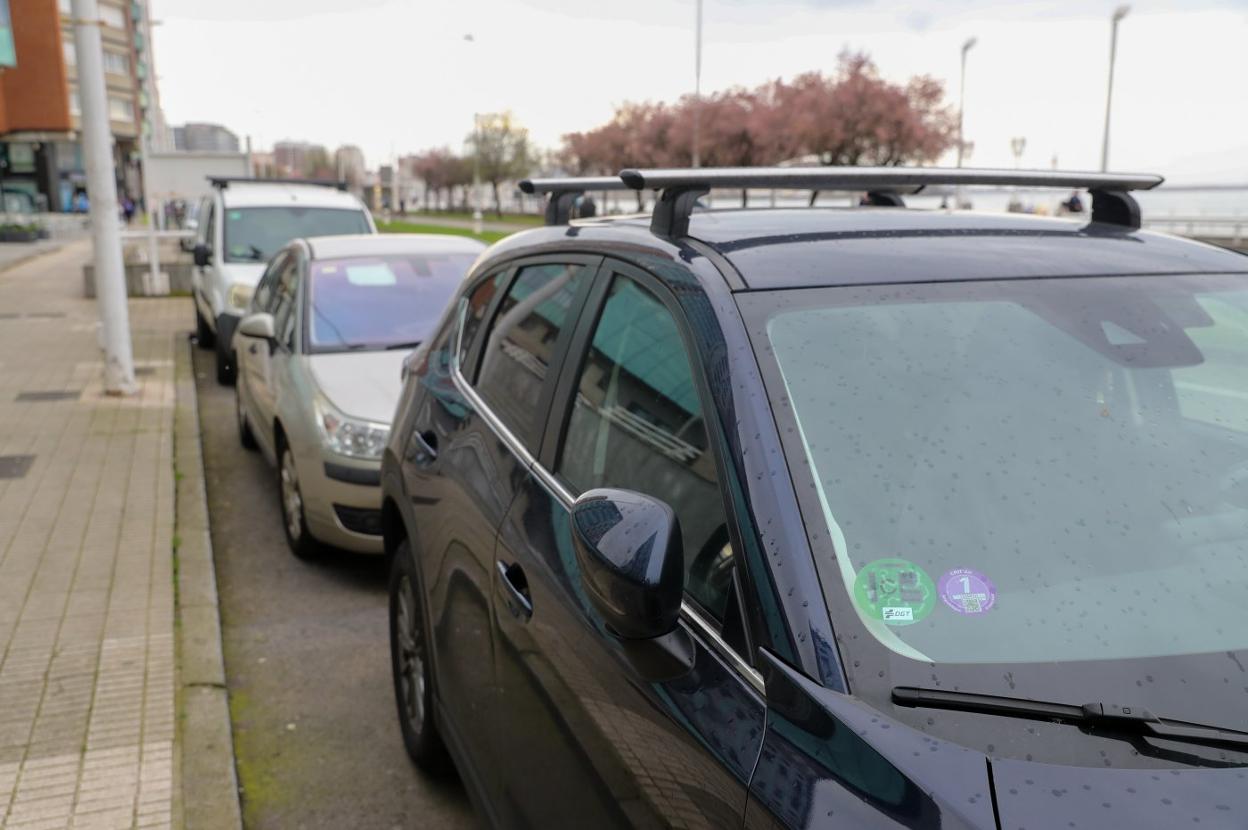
(688, 613)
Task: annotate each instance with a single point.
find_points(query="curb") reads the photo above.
(206, 778)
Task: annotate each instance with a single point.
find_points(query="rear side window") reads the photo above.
(515, 357)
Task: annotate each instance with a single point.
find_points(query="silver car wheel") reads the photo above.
(411, 656)
(292, 501)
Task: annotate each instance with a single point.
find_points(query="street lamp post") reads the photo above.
(697, 89)
(966, 47)
(97, 145)
(1119, 14)
(478, 223)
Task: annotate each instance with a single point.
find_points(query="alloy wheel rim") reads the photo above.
(291, 500)
(411, 656)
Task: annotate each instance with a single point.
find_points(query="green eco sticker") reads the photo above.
(894, 591)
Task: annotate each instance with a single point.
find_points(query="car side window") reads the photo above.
(209, 226)
(265, 294)
(516, 354)
(637, 424)
(478, 302)
(284, 303)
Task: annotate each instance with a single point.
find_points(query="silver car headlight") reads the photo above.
(349, 436)
(239, 296)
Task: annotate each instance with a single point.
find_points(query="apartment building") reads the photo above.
(40, 114)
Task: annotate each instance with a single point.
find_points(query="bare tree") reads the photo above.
(500, 147)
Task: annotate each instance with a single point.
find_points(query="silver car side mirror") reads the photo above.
(259, 325)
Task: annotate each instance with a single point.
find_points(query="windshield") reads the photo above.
(255, 234)
(1027, 471)
(380, 302)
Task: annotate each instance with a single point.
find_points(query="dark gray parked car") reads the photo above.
(830, 518)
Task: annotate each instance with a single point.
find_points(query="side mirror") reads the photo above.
(632, 566)
(259, 325)
(203, 255)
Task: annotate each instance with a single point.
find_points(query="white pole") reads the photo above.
(697, 91)
(966, 47)
(478, 226)
(1119, 14)
(97, 140)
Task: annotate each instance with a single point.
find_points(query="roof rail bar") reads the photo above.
(565, 192)
(225, 181)
(681, 187)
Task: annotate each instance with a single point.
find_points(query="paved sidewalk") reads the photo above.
(86, 567)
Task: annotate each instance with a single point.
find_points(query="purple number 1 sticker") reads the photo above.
(967, 591)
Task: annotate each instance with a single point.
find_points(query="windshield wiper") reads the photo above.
(413, 344)
(1107, 715)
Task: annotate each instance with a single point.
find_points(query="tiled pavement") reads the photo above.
(86, 567)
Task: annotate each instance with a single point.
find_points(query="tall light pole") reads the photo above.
(97, 141)
(1119, 14)
(478, 223)
(697, 89)
(966, 47)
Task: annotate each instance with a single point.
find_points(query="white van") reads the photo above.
(241, 225)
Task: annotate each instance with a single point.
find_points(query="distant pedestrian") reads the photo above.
(127, 208)
(1074, 204)
(81, 205)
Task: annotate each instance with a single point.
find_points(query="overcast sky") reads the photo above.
(398, 75)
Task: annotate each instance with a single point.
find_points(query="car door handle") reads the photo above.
(516, 591)
(423, 443)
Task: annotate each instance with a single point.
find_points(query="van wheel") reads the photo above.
(203, 335)
(412, 669)
(225, 364)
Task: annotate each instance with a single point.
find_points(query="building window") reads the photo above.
(75, 108)
(71, 54)
(64, 6)
(120, 109)
(116, 63)
(113, 16)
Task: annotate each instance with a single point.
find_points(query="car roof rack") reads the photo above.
(225, 181)
(681, 188)
(565, 192)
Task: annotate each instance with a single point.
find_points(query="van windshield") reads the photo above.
(255, 234)
(1026, 471)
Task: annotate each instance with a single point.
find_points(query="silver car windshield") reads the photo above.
(380, 302)
(1026, 471)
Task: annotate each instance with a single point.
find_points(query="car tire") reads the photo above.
(412, 669)
(245, 436)
(225, 364)
(203, 335)
(294, 522)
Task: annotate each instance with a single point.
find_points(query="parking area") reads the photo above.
(307, 660)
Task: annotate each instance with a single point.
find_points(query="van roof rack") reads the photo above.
(682, 187)
(225, 181)
(565, 192)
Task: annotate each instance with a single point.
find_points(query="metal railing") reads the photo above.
(1231, 228)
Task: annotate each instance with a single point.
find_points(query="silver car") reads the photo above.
(320, 357)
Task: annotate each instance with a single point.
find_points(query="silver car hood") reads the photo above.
(361, 384)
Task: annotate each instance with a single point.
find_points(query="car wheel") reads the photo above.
(245, 436)
(203, 335)
(412, 669)
(225, 364)
(294, 523)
